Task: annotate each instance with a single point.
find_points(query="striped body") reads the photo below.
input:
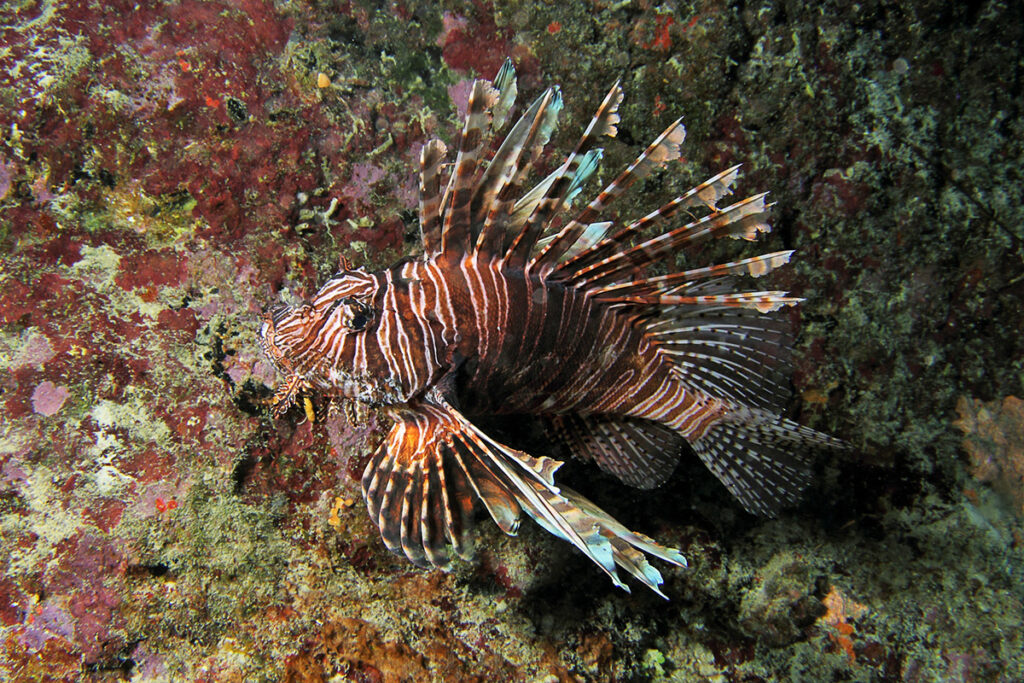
(532, 346)
(502, 315)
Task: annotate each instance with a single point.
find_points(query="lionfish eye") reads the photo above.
(359, 314)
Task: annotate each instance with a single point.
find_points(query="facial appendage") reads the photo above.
(321, 345)
(371, 337)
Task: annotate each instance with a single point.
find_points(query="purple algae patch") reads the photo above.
(46, 622)
(36, 350)
(5, 178)
(364, 176)
(48, 398)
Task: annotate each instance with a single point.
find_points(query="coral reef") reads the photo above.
(994, 440)
(169, 169)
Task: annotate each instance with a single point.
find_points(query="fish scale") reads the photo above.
(503, 314)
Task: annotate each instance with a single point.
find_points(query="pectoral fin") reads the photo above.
(435, 466)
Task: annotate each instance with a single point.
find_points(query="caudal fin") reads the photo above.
(763, 459)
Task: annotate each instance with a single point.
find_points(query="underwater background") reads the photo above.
(168, 170)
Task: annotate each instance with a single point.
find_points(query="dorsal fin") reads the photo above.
(493, 198)
(506, 84)
(732, 353)
(456, 233)
(665, 148)
(763, 301)
(744, 219)
(755, 266)
(604, 122)
(708, 193)
(585, 165)
(431, 157)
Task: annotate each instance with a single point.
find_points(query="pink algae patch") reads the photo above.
(48, 398)
(459, 94)
(36, 351)
(364, 176)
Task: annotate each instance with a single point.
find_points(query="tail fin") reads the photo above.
(761, 458)
(725, 349)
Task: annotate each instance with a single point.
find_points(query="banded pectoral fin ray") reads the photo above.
(627, 547)
(419, 502)
(435, 467)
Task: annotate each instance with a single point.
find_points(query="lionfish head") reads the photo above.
(316, 344)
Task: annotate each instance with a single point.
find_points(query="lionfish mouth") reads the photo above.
(331, 381)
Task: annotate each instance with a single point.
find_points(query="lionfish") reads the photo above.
(513, 311)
